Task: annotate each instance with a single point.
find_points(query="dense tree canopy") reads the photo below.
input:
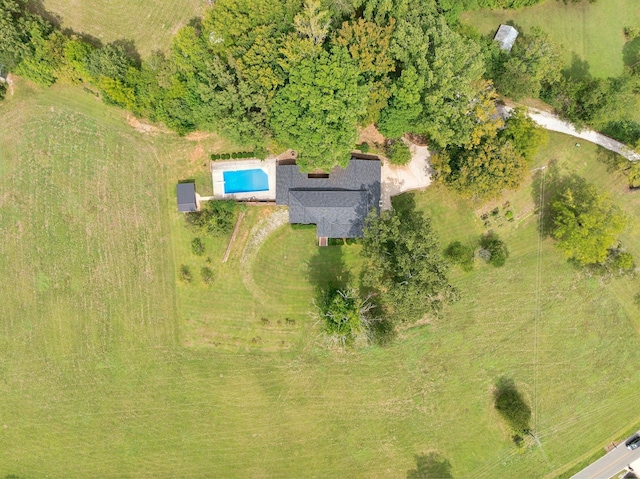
(316, 113)
(404, 263)
(482, 172)
(533, 61)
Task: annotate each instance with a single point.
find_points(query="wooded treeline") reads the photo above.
(306, 75)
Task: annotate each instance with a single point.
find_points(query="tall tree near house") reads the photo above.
(317, 112)
(404, 263)
(368, 45)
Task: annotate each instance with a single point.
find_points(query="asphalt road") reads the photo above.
(610, 464)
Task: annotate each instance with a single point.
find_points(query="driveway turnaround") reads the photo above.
(609, 465)
(415, 175)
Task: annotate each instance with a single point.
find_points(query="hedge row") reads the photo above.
(239, 155)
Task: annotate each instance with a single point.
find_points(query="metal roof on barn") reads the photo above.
(506, 37)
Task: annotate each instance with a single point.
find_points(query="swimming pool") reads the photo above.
(245, 181)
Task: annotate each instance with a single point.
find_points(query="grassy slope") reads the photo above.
(591, 31)
(93, 379)
(149, 24)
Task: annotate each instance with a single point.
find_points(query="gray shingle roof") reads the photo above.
(186, 197)
(506, 36)
(338, 204)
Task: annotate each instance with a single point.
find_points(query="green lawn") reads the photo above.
(112, 366)
(586, 32)
(149, 24)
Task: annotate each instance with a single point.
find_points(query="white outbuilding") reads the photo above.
(506, 36)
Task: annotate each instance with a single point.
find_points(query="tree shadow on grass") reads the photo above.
(631, 55)
(546, 188)
(579, 68)
(328, 270)
(430, 466)
(512, 406)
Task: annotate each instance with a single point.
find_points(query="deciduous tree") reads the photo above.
(585, 222)
(316, 113)
(404, 263)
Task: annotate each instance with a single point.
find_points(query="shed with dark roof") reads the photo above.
(337, 203)
(186, 193)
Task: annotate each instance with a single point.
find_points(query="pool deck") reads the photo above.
(219, 167)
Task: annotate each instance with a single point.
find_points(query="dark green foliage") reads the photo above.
(346, 317)
(398, 152)
(317, 112)
(512, 407)
(363, 147)
(216, 218)
(185, 274)
(207, 275)
(460, 254)
(109, 61)
(20, 30)
(497, 249)
(404, 263)
(197, 247)
(3, 90)
(625, 130)
(533, 62)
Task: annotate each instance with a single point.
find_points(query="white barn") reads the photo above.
(506, 36)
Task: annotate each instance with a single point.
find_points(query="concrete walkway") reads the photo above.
(552, 122)
(415, 175)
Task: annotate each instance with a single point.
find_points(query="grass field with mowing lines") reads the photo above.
(589, 32)
(149, 24)
(95, 377)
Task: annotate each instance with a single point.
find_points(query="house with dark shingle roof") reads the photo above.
(337, 202)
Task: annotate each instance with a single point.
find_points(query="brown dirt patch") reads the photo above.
(143, 127)
(370, 135)
(200, 136)
(197, 153)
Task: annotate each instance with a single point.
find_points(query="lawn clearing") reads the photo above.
(590, 35)
(150, 25)
(96, 376)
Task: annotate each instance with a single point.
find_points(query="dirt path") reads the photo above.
(552, 122)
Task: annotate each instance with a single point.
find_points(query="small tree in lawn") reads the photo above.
(197, 246)
(185, 274)
(585, 222)
(460, 254)
(216, 218)
(512, 407)
(496, 250)
(346, 317)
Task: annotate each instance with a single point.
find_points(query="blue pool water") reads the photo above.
(245, 181)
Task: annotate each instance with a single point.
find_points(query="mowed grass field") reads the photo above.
(110, 366)
(149, 24)
(587, 32)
